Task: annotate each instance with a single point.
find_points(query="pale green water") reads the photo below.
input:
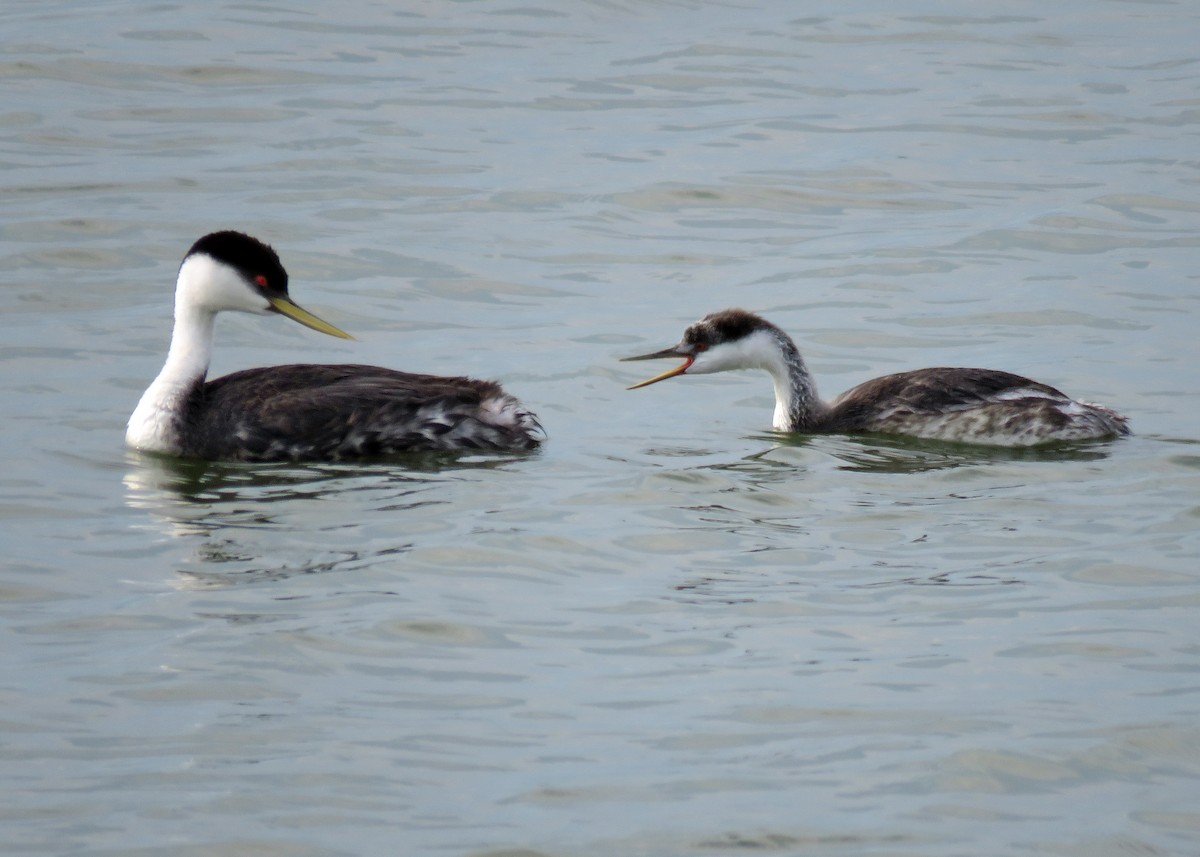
(669, 632)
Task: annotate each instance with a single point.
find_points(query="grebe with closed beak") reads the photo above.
(300, 411)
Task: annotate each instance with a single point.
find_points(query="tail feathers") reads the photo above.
(498, 423)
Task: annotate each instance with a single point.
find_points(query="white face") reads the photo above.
(205, 282)
(756, 351)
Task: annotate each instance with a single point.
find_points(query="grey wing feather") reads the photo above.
(319, 411)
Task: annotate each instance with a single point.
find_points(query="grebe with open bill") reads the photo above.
(984, 406)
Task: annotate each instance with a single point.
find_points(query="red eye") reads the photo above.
(261, 280)
(700, 346)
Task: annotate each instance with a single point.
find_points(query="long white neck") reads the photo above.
(797, 405)
(155, 423)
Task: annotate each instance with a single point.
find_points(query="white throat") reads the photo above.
(154, 424)
(796, 400)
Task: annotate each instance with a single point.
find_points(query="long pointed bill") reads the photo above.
(284, 305)
(673, 351)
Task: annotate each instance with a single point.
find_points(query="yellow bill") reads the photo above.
(673, 351)
(284, 305)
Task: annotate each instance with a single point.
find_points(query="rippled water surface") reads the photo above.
(670, 632)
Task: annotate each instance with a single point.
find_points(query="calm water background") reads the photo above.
(670, 632)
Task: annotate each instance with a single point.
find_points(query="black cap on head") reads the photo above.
(248, 255)
(727, 325)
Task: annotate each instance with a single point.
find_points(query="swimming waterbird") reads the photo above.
(301, 411)
(983, 406)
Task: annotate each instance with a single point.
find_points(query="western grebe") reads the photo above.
(982, 406)
(300, 411)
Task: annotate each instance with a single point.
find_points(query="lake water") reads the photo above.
(670, 632)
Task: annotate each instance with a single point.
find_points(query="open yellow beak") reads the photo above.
(284, 305)
(673, 351)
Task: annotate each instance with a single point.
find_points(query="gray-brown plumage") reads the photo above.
(971, 405)
(301, 411)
